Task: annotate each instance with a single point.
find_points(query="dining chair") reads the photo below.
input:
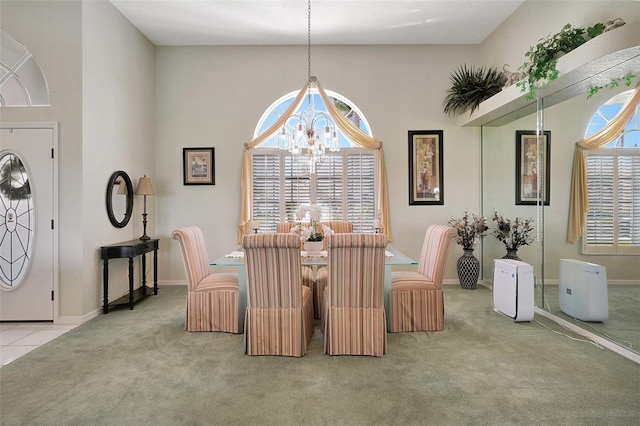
(279, 315)
(338, 227)
(212, 298)
(307, 271)
(417, 300)
(354, 321)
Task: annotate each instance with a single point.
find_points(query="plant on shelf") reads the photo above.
(470, 228)
(513, 234)
(612, 84)
(471, 86)
(541, 60)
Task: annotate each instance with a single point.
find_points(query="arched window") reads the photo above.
(613, 185)
(21, 80)
(343, 185)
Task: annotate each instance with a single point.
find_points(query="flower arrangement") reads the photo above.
(310, 233)
(513, 234)
(469, 229)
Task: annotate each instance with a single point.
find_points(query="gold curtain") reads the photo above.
(352, 132)
(578, 202)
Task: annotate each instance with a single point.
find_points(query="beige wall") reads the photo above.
(100, 72)
(118, 99)
(52, 31)
(123, 104)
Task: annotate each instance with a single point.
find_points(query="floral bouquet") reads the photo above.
(310, 233)
(469, 229)
(513, 234)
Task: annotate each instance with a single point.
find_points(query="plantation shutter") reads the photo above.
(361, 191)
(613, 190)
(628, 202)
(330, 187)
(297, 185)
(266, 190)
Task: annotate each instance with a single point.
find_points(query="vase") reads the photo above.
(313, 248)
(512, 254)
(468, 270)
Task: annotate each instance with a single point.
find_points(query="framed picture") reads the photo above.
(199, 166)
(425, 167)
(532, 167)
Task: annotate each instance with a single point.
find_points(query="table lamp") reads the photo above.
(144, 188)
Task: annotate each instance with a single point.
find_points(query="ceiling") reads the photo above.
(342, 22)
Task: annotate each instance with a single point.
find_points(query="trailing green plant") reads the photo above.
(471, 86)
(612, 84)
(541, 60)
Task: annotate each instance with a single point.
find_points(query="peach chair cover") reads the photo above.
(417, 301)
(338, 227)
(307, 271)
(279, 316)
(354, 320)
(212, 298)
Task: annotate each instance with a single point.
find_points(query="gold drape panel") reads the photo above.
(352, 132)
(578, 202)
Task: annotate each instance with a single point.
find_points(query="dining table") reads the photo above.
(393, 257)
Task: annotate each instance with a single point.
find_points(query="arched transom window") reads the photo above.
(613, 185)
(343, 185)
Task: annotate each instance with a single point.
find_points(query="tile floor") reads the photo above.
(17, 339)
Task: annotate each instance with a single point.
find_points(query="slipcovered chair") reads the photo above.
(212, 298)
(354, 320)
(307, 271)
(279, 315)
(417, 300)
(338, 227)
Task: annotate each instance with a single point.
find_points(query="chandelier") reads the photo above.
(309, 133)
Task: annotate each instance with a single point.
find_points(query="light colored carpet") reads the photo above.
(141, 368)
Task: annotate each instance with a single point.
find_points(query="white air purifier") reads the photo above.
(513, 289)
(582, 290)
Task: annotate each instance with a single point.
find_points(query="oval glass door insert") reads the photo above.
(17, 220)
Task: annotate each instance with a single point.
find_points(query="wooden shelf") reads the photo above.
(608, 56)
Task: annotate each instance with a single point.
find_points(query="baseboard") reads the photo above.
(171, 282)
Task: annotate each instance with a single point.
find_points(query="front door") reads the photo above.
(27, 239)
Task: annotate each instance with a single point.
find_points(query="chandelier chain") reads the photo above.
(309, 41)
(309, 133)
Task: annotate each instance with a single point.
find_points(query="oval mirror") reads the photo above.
(119, 199)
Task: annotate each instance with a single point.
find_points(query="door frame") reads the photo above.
(56, 223)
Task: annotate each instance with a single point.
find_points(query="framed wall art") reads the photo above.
(425, 167)
(199, 166)
(533, 180)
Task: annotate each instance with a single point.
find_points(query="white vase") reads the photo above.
(313, 247)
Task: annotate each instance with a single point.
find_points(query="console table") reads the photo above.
(129, 249)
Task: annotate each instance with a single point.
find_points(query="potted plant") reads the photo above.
(469, 228)
(513, 234)
(309, 234)
(470, 87)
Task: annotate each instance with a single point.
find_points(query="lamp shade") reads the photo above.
(144, 186)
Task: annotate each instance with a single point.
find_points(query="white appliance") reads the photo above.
(513, 289)
(582, 290)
